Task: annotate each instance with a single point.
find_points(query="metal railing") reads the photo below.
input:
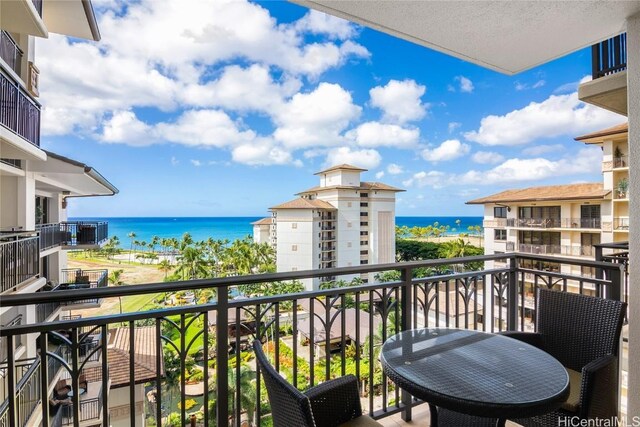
(84, 232)
(26, 394)
(310, 336)
(77, 279)
(45, 310)
(609, 56)
(19, 259)
(621, 223)
(620, 162)
(51, 235)
(20, 113)
(595, 223)
(10, 52)
(569, 250)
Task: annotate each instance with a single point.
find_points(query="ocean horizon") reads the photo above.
(232, 228)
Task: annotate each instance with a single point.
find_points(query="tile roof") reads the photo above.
(597, 136)
(263, 221)
(364, 186)
(550, 193)
(301, 203)
(343, 166)
(144, 356)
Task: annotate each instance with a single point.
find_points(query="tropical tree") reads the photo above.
(191, 264)
(131, 235)
(165, 266)
(115, 278)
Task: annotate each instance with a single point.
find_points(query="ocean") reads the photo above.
(233, 228)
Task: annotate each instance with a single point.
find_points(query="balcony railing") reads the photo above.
(84, 232)
(554, 222)
(620, 162)
(621, 224)
(51, 235)
(19, 259)
(20, 113)
(569, 250)
(310, 336)
(609, 56)
(77, 279)
(10, 52)
(26, 394)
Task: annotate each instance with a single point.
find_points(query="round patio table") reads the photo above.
(475, 373)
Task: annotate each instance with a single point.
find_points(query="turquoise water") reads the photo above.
(233, 228)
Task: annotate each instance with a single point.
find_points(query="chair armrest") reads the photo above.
(599, 388)
(532, 338)
(335, 402)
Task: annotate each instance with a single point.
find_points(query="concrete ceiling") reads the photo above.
(71, 18)
(505, 36)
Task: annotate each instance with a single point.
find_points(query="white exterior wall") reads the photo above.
(382, 241)
(119, 406)
(297, 229)
(262, 233)
(340, 177)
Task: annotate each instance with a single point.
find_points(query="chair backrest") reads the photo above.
(289, 407)
(578, 329)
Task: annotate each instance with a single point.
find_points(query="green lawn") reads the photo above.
(137, 302)
(193, 329)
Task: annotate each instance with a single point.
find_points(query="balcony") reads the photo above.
(73, 234)
(76, 279)
(567, 250)
(621, 162)
(608, 89)
(20, 113)
(19, 259)
(488, 300)
(10, 52)
(544, 223)
(494, 223)
(621, 224)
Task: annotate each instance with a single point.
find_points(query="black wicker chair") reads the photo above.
(333, 403)
(583, 333)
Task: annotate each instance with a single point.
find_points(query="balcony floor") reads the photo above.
(420, 418)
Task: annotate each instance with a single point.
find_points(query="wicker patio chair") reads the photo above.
(583, 333)
(332, 403)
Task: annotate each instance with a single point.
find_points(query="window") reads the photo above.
(540, 212)
(294, 268)
(590, 216)
(363, 223)
(294, 248)
(364, 194)
(364, 233)
(364, 213)
(364, 243)
(364, 204)
(348, 244)
(365, 252)
(364, 261)
(500, 234)
(500, 212)
(348, 204)
(294, 225)
(348, 225)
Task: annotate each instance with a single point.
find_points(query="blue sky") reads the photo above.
(226, 108)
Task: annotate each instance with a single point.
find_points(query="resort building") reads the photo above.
(342, 222)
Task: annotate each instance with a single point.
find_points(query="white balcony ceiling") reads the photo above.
(509, 37)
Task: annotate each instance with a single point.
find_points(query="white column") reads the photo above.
(26, 202)
(633, 103)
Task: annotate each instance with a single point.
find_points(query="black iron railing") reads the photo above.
(27, 394)
(78, 279)
(51, 235)
(310, 336)
(44, 310)
(20, 113)
(609, 56)
(77, 233)
(10, 52)
(19, 259)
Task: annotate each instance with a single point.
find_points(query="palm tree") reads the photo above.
(154, 242)
(115, 279)
(131, 235)
(248, 397)
(191, 264)
(165, 266)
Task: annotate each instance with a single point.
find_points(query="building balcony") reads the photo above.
(608, 87)
(494, 223)
(566, 250)
(73, 235)
(10, 52)
(76, 279)
(621, 224)
(545, 223)
(20, 115)
(19, 259)
(482, 300)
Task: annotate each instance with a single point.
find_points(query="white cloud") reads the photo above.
(124, 126)
(557, 115)
(435, 179)
(394, 169)
(316, 22)
(367, 159)
(524, 86)
(400, 101)
(538, 150)
(196, 163)
(538, 84)
(376, 134)
(316, 118)
(453, 126)
(161, 54)
(487, 157)
(174, 161)
(466, 85)
(571, 86)
(587, 160)
(263, 152)
(380, 175)
(448, 150)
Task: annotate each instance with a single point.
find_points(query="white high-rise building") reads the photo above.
(342, 222)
